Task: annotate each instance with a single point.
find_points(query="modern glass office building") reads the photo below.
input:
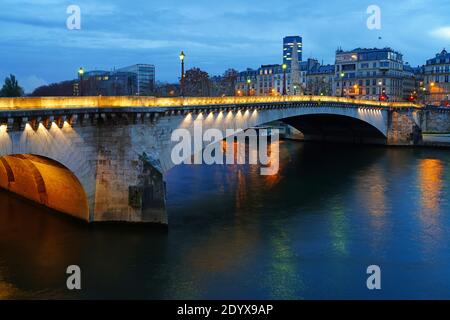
(145, 77)
(288, 44)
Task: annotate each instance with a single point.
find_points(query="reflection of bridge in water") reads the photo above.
(104, 158)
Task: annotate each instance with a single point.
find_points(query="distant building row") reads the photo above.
(374, 74)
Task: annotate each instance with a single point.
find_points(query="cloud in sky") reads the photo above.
(442, 33)
(214, 34)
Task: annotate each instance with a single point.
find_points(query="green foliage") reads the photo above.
(11, 88)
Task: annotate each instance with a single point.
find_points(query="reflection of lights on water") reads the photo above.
(430, 183)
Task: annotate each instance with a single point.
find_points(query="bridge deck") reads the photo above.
(30, 103)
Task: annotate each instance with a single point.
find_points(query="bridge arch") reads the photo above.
(324, 122)
(337, 128)
(47, 166)
(312, 120)
(44, 181)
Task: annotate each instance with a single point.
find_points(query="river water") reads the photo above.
(309, 232)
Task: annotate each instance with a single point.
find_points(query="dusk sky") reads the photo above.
(215, 35)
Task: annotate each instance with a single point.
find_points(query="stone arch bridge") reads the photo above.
(104, 158)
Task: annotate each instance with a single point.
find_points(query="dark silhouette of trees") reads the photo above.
(64, 88)
(197, 83)
(163, 89)
(11, 88)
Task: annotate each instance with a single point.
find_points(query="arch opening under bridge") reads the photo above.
(325, 123)
(44, 181)
(336, 128)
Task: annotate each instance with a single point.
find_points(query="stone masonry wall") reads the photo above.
(436, 120)
(403, 128)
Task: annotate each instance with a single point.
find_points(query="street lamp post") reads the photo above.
(249, 82)
(182, 55)
(80, 84)
(342, 75)
(284, 79)
(380, 84)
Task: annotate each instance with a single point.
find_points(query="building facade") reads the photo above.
(437, 79)
(411, 83)
(306, 67)
(246, 82)
(319, 80)
(109, 83)
(106, 83)
(288, 46)
(374, 74)
(270, 80)
(264, 81)
(145, 78)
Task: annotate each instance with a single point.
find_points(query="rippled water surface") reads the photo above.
(309, 232)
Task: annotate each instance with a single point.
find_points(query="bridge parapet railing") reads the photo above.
(28, 103)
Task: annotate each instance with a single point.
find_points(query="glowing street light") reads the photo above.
(249, 82)
(80, 85)
(284, 67)
(182, 56)
(342, 75)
